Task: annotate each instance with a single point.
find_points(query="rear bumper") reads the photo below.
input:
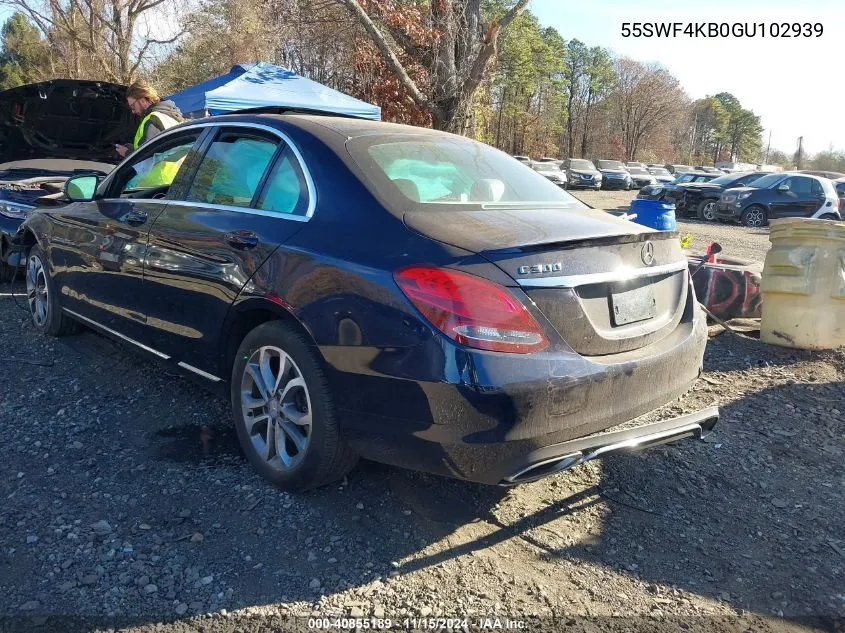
(501, 414)
(559, 457)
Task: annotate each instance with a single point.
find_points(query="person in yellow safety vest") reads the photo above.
(156, 115)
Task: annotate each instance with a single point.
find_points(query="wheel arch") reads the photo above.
(248, 314)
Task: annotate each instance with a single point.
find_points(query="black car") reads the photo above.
(781, 195)
(581, 174)
(665, 191)
(699, 199)
(358, 288)
(614, 175)
(49, 132)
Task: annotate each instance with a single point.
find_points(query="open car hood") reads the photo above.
(64, 118)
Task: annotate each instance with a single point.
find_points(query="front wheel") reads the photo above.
(42, 298)
(755, 216)
(284, 414)
(707, 210)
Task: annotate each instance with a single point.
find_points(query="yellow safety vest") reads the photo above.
(166, 122)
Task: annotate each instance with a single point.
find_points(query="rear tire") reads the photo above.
(828, 216)
(292, 438)
(755, 217)
(707, 210)
(43, 298)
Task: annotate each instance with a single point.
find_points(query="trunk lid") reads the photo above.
(604, 284)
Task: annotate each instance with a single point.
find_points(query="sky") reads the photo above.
(793, 84)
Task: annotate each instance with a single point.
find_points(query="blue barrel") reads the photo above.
(654, 213)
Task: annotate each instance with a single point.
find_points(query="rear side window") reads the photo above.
(286, 191)
(231, 170)
(817, 187)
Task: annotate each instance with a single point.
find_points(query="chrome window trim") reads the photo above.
(309, 181)
(573, 281)
(76, 315)
(198, 371)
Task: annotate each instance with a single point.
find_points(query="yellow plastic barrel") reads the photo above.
(803, 284)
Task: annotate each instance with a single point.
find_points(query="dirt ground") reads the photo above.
(126, 499)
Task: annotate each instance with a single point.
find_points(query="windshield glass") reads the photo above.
(639, 171)
(659, 171)
(581, 164)
(437, 170)
(767, 181)
(545, 167)
(685, 178)
(724, 180)
(609, 164)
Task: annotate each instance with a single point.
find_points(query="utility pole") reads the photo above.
(692, 140)
(768, 147)
(799, 159)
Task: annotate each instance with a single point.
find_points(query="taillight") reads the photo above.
(472, 311)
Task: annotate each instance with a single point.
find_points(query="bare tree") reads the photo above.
(108, 39)
(646, 98)
(446, 37)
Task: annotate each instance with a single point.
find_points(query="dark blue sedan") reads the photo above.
(368, 289)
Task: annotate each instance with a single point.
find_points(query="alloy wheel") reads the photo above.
(276, 407)
(37, 291)
(754, 217)
(709, 211)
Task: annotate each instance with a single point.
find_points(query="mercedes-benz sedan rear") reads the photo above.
(368, 289)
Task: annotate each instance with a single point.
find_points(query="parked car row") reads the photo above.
(580, 173)
(751, 198)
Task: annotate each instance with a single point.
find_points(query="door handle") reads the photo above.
(135, 217)
(241, 239)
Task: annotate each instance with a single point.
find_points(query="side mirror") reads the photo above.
(81, 188)
(783, 187)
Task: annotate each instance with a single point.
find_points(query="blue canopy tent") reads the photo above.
(260, 85)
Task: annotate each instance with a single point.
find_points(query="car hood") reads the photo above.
(488, 230)
(64, 118)
(613, 171)
(586, 172)
(738, 190)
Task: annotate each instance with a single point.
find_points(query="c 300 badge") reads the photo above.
(539, 269)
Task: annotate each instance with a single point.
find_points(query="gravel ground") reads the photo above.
(737, 241)
(125, 497)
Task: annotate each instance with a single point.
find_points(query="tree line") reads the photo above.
(484, 68)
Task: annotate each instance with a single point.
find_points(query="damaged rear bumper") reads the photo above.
(559, 457)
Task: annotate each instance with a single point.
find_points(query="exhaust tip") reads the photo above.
(545, 468)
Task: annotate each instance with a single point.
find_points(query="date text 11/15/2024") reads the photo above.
(418, 624)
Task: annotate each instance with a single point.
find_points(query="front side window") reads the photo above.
(799, 186)
(154, 169)
(231, 170)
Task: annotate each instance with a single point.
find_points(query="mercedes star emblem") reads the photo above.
(648, 253)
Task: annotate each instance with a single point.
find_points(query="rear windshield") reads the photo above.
(444, 170)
